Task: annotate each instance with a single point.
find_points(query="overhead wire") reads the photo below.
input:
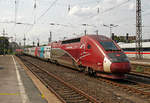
(87, 2)
(116, 6)
(132, 18)
(47, 10)
(107, 10)
(52, 4)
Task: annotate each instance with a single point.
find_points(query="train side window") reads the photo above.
(89, 46)
(71, 41)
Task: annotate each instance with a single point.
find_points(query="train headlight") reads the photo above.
(99, 64)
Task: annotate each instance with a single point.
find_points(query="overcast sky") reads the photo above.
(68, 17)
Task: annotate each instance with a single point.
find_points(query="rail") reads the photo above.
(64, 91)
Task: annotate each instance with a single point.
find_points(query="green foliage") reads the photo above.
(139, 69)
(4, 45)
(116, 38)
(122, 39)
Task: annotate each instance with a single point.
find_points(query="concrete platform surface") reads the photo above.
(15, 84)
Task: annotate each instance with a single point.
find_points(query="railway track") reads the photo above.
(140, 74)
(140, 69)
(64, 91)
(141, 89)
(125, 86)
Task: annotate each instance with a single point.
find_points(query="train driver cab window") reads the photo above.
(89, 46)
(109, 46)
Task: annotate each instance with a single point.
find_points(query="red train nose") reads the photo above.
(121, 68)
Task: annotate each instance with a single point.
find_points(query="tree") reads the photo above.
(4, 44)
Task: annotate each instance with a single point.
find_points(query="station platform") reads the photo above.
(19, 85)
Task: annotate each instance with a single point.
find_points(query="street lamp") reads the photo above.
(110, 27)
(24, 23)
(96, 32)
(38, 42)
(85, 31)
(24, 39)
(59, 24)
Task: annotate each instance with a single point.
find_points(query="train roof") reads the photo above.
(99, 37)
(96, 37)
(133, 45)
(77, 39)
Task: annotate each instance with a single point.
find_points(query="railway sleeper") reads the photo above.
(68, 91)
(144, 89)
(147, 90)
(65, 91)
(76, 100)
(72, 94)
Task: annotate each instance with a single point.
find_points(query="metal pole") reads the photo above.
(38, 44)
(139, 54)
(50, 37)
(33, 43)
(24, 41)
(96, 32)
(110, 30)
(85, 32)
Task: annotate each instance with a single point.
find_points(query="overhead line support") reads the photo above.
(139, 50)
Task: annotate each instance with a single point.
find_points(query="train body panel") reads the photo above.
(36, 52)
(41, 52)
(47, 52)
(62, 55)
(92, 53)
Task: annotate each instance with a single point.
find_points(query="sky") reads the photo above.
(34, 18)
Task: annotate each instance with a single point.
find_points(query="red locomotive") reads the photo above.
(95, 54)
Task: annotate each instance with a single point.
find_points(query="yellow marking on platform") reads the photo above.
(42, 96)
(9, 93)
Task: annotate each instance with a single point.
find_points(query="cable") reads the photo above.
(47, 9)
(43, 14)
(112, 8)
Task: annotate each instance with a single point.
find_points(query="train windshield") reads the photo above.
(109, 46)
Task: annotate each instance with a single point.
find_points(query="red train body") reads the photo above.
(95, 54)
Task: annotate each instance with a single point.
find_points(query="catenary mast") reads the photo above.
(139, 54)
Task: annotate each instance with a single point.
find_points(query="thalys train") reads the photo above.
(93, 54)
